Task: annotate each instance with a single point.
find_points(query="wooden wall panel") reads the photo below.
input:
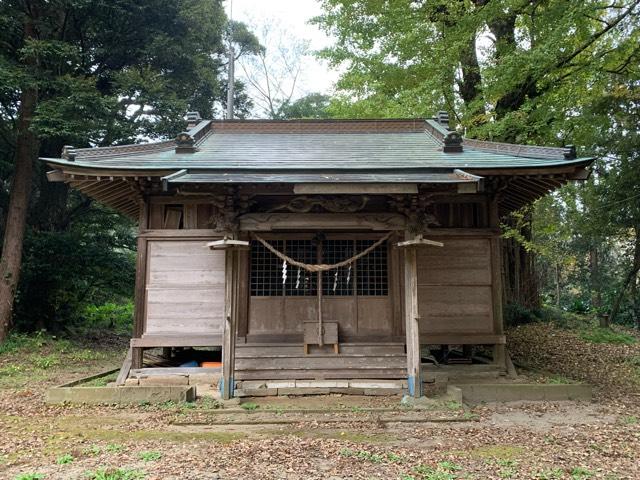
(455, 287)
(459, 309)
(185, 288)
(375, 316)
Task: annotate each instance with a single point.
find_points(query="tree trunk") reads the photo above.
(631, 277)
(11, 260)
(557, 285)
(26, 152)
(596, 289)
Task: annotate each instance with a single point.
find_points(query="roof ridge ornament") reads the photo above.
(185, 143)
(69, 153)
(452, 142)
(193, 118)
(570, 152)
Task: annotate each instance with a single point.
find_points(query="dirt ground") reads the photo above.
(341, 438)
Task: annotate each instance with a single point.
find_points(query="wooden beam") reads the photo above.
(126, 367)
(355, 188)
(314, 221)
(412, 321)
(186, 340)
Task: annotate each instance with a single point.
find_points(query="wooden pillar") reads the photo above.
(412, 326)
(499, 350)
(139, 316)
(230, 323)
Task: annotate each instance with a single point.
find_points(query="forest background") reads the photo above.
(111, 72)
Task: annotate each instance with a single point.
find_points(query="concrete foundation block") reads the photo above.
(454, 393)
(478, 393)
(164, 380)
(204, 379)
(260, 392)
(208, 391)
(253, 384)
(131, 381)
(125, 394)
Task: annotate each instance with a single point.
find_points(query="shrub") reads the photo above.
(605, 335)
(516, 314)
(109, 316)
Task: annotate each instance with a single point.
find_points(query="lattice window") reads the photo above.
(300, 282)
(339, 281)
(266, 270)
(368, 277)
(373, 271)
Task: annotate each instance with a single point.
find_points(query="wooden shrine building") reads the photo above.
(319, 249)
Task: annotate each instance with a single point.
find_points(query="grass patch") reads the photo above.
(580, 473)
(497, 452)
(30, 476)
(606, 335)
(150, 456)
(249, 406)
(101, 381)
(64, 459)
(114, 474)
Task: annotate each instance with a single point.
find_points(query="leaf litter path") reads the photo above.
(528, 441)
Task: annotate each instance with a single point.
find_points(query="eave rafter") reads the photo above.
(123, 193)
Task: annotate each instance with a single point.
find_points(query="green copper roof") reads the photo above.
(236, 146)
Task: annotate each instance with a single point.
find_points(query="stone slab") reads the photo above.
(281, 384)
(164, 380)
(322, 383)
(256, 392)
(131, 381)
(371, 384)
(304, 391)
(510, 392)
(123, 394)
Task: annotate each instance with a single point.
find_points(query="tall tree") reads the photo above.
(71, 74)
(509, 70)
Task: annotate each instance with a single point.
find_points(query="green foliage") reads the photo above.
(30, 476)
(516, 314)
(114, 448)
(605, 335)
(580, 473)
(553, 73)
(65, 459)
(249, 406)
(150, 456)
(314, 105)
(100, 82)
(109, 316)
(115, 474)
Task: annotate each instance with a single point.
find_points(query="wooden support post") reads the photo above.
(229, 337)
(412, 326)
(139, 317)
(499, 350)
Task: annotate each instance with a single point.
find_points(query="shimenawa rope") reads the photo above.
(321, 267)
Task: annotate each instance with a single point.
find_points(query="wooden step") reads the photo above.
(304, 374)
(259, 350)
(320, 362)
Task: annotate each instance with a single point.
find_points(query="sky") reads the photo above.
(292, 16)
